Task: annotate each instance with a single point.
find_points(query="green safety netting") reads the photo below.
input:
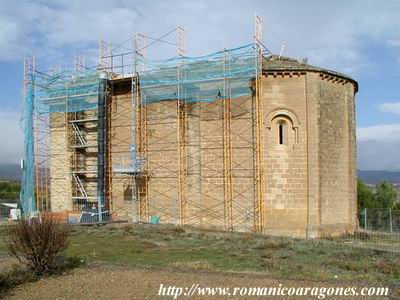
(45, 93)
(27, 183)
(67, 91)
(223, 74)
(220, 75)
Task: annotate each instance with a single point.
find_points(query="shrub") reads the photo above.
(37, 242)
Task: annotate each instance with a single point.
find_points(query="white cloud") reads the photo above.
(11, 136)
(334, 34)
(381, 133)
(10, 38)
(390, 107)
(376, 155)
(378, 147)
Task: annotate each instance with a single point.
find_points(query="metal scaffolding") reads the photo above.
(181, 118)
(227, 146)
(56, 140)
(259, 132)
(184, 136)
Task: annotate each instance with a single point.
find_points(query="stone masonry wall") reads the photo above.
(120, 135)
(337, 156)
(60, 183)
(309, 179)
(286, 164)
(204, 183)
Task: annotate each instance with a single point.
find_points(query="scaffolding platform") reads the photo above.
(132, 165)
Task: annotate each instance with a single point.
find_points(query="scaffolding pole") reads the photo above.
(141, 133)
(105, 56)
(227, 146)
(258, 130)
(181, 132)
(79, 62)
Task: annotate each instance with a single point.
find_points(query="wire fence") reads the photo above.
(378, 229)
(386, 220)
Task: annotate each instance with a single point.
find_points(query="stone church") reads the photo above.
(285, 165)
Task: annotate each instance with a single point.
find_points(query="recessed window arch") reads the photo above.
(283, 127)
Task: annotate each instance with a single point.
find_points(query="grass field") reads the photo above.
(163, 246)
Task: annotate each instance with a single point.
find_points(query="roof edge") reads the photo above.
(282, 63)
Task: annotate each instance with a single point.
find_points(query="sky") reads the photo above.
(358, 38)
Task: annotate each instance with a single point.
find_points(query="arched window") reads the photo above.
(283, 126)
(282, 132)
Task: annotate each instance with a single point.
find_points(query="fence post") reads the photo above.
(390, 220)
(365, 219)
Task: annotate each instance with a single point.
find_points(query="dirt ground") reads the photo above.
(117, 282)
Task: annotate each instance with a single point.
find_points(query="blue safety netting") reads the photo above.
(27, 194)
(67, 91)
(223, 74)
(46, 93)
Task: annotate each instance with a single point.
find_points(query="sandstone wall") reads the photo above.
(337, 156)
(203, 162)
(120, 118)
(60, 183)
(310, 177)
(286, 164)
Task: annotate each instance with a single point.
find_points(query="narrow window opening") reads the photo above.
(281, 137)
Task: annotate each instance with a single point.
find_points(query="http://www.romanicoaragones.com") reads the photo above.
(196, 290)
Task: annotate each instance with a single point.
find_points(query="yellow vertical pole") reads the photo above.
(141, 135)
(181, 132)
(259, 133)
(227, 146)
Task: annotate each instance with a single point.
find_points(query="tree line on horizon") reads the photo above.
(9, 190)
(381, 196)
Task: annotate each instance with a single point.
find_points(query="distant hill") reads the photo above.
(374, 177)
(10, 172)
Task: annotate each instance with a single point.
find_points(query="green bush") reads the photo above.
(383, 196)
(9, 190)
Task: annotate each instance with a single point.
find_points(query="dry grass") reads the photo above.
(167, 246)
(161, 246)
